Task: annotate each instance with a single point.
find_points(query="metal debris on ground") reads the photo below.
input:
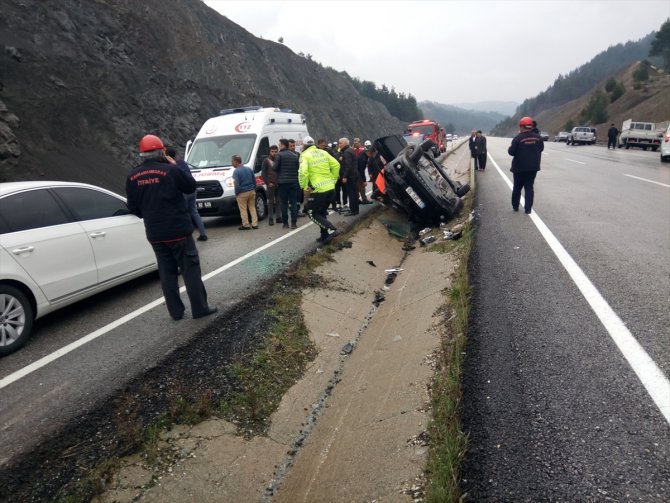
(427, 240)
(379, 298)
(347, 348)
(394, 269)
(425, 231)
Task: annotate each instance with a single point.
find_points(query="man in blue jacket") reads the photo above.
(155, 191)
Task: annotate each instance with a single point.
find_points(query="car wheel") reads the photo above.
(665, 158)
(261, 207)
(16, 319)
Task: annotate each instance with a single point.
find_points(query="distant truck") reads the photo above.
(642, 135)
(430, 129)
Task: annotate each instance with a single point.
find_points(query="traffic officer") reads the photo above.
(155, 191)
(317, 174)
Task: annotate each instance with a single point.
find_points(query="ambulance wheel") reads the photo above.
(261, 205)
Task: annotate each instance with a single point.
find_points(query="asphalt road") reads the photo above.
(555, 410)
(134, 331)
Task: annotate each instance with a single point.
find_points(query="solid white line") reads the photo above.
(15, 376)
(650, 375)
(645, 180)
(572, 160)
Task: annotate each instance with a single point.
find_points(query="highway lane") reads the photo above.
(134, 337)
(552, 407)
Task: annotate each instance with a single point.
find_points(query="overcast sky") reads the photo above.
(451, 51)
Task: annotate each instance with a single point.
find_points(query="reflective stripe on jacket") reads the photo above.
(318, 169)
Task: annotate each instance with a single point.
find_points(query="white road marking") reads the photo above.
(45, 360)
(572, 160)
(649, 374)
(645, 180)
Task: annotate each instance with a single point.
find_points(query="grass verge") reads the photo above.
(447, 441)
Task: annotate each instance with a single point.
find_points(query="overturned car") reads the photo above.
(415, 182)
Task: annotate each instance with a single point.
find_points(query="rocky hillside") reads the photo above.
(82, 81)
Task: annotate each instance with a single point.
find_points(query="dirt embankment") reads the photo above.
(354, 427)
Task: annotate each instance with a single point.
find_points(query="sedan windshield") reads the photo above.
(216, 152)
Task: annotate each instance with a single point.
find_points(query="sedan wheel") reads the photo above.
(16, 319)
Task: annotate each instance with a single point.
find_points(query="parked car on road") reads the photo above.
(544, 135)
(562, 136)
(61, 242)
(665, 146)
(581, 134)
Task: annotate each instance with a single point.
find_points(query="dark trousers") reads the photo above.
(273, 202)
(525, 181)
(288, 197)
(173, 257)
(481, 161)
(340, 192)
(195, 216)
(611, 142)
(352, 194)
(317, 210)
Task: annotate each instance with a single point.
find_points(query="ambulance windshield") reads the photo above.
(215, 152)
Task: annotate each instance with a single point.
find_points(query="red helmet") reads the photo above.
(150, 142)
(526, 123)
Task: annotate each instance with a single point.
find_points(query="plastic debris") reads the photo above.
(379, 298)
(427, 240)
(394, 269)
(347, 348)
(333, 334)
(425, 231)
(390, 278)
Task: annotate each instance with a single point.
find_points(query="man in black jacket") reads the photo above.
(286, 167)
(155, 191)
(526, 148)
(349, 175)
(612, 133)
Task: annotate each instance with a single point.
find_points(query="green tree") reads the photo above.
(596, 109)
(660, 46)
(641, 74)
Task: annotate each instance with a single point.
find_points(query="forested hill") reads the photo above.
(82, 81)
(582, 80)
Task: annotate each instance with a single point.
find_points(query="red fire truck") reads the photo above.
(429, 128)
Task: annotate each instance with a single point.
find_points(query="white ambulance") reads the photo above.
(248, 132)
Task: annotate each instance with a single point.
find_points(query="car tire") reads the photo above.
(16, 319)
(261, 205)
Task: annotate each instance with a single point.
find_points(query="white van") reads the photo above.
(248, 132)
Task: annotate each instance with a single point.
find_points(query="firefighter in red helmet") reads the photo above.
(155, 190)
(526, 150)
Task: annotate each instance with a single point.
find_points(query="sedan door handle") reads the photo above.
(21, 251)
(100, 234)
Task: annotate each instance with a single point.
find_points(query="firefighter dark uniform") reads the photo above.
(155, 190)
(526, 150)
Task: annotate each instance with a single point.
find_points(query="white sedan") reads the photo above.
(61, 242)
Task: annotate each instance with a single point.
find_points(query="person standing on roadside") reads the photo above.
(269, 176)
(317, 174)
(612, 133)
(480, 147)
(472, 143)
(375, 165)
(190, 198)
(245, 193)
(286, 167)
(349, 175)
(361, 165)
(155, 192)
(526, 150)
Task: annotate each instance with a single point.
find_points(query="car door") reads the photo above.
(117, 237)
(41, 238)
